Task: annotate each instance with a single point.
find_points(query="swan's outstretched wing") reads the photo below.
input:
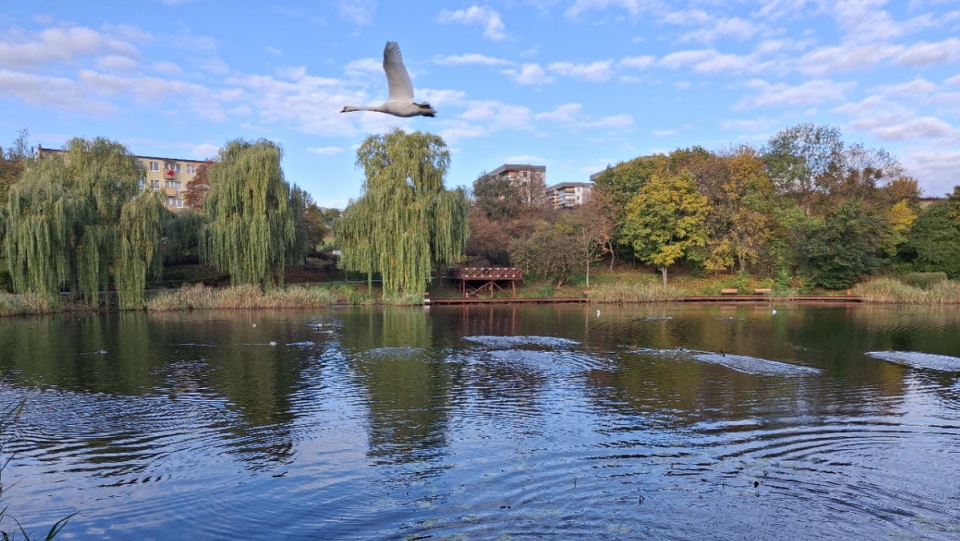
(397, 77)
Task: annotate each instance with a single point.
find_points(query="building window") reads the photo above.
(191, 169)
(156, 184)
(173, 184)
(154, 166)
(176, 167)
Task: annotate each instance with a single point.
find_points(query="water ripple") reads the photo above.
(917, 359)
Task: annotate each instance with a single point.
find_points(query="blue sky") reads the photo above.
(574, 85)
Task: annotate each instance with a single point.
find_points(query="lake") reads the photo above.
(650, 421)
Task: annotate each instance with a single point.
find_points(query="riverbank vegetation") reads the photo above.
(805, 214)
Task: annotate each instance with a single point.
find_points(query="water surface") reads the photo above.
(662, 421)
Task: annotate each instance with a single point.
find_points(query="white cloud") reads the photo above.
(273, 50)
(168, 68)
(441, 97)
(359, 12)
(59, 45)
(844, 58)
(777, 9)
(563, 113)
(806, 94)
(918, 128)
(711, 28)
(493, 28)
(47, 91)
(325, 151)
(709, 61)
(753, 125)
(928, 54)
(599, 71)
(529, 74)
(611, 122)
(637, 62)
(664, 133)
(936, 169)
(204, 151)
(472, 58)
(115, 62)
(917, 88)
(633, 7)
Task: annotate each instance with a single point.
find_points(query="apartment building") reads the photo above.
(568, 195)
(531, 178)
(168, 175)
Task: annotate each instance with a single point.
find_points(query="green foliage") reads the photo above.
(841, 248)
(545, 291)
(6, 282)
(252, 227)
(63, 219)
(934, 241)
(800, 158)
(12, 162)
(141, 229)
(297, 250)
(181, 234)
(498, 197)
(553, 251)
(665, 220)
(406, 223)
(924, 280)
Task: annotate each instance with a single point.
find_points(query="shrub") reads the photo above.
(924, 280)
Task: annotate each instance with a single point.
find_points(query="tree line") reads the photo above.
(806, 208)
(79, 223)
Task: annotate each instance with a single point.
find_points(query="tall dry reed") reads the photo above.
(199, 297)
(25, 304)
(891, 290)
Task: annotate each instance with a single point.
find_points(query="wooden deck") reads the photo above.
(702, 298)
(511, 300)
(476, 281)
(768, 298)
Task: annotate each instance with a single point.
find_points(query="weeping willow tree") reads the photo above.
(297, 250)
(63, 221)
(406, 223)
(252, 222)
(141, 231)
(181, 236)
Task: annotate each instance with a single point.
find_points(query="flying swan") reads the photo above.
(400, 102)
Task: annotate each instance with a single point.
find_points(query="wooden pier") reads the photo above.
(478, 281)
(510, 300)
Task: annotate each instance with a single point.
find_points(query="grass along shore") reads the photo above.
(605, 288)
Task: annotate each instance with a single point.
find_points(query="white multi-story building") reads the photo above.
(568, 195)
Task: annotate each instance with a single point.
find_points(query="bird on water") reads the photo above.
(400, 102)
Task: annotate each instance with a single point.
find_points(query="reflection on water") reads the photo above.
(652, 421)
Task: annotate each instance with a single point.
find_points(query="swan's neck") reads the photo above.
(352, 108)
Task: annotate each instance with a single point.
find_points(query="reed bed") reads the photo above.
(25, 304)
(625, 292)
(200, 297)
(891, 290)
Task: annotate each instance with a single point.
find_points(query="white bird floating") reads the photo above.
(400, 102)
